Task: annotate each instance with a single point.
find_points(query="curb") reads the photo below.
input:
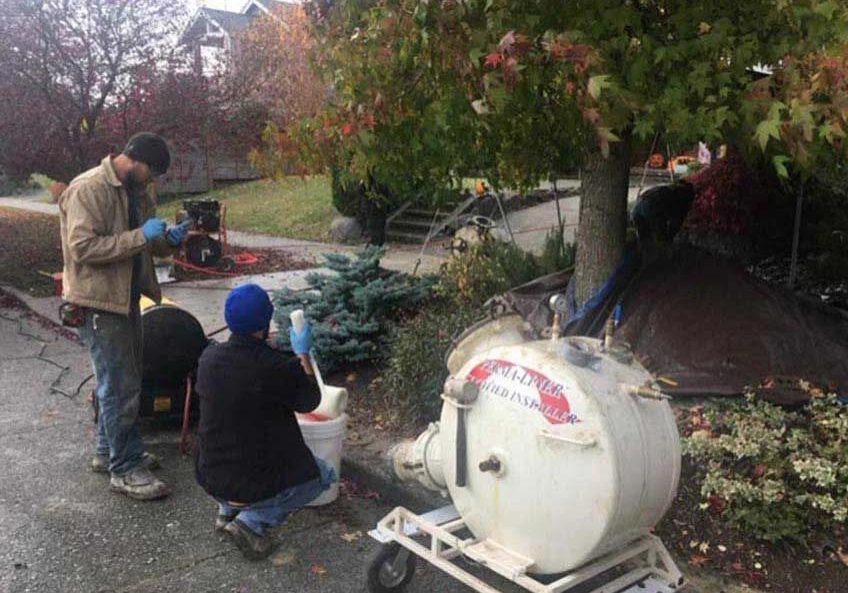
(371, 470)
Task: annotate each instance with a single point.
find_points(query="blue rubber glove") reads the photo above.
(177, 234)
(301, 343)
(153, 228)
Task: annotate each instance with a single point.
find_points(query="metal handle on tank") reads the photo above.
(461, 393)
(563, 439)
(461, 450)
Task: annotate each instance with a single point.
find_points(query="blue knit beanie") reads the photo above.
(248, 309)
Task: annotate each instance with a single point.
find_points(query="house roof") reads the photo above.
(224, 20)
(232, 22)
(229, 22)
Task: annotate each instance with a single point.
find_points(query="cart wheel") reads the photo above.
(227, 264)
(391, 569)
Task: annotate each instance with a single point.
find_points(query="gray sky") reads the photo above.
(221, 4)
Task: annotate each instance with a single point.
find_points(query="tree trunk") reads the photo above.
(603, 218)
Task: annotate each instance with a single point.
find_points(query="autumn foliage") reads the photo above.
(62, 71)
(729, 198)
(272, 67)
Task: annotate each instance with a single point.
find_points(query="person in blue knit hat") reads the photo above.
(251, 456)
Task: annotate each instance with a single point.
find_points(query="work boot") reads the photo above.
(140, 484)
(100, 463)
(253, 546)
(221, 521)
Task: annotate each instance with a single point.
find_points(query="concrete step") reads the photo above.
(421, 213)
(408, 237)
(417, 223)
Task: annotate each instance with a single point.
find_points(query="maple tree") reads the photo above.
(520, 91)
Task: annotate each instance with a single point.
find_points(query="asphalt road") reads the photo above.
(61, 530)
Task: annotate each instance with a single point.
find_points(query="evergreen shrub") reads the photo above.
(415, 370)
(353, 311)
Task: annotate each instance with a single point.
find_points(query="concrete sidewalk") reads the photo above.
(33, 205)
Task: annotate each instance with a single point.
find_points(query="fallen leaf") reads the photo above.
(698, 560)
(317, 569)
(351, 377)
(352, 536)
(282, 558)
(843, 555)
(722, 548)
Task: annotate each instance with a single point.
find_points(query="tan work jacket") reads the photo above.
(98, 246)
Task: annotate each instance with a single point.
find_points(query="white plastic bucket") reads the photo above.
(324, 438)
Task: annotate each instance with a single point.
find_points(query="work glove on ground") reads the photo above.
(301, 342)
(153, 228)
(177, 234)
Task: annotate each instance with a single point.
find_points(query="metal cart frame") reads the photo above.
(647, 565)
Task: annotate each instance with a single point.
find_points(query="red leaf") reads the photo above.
(348, 129)
(717, 504)
(494, 59)
(698, 560)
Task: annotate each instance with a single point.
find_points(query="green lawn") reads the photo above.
(294, 207)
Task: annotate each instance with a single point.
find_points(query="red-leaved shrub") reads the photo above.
(729, 198)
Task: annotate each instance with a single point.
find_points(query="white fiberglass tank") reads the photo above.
(577, 467)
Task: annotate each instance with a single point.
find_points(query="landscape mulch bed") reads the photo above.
(269, 260)
(30, 247)
(775, 271)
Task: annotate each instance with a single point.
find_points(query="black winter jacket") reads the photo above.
(249, 443)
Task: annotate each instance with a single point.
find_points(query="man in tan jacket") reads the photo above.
(109, 234)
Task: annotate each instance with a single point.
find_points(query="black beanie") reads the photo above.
(151, 150)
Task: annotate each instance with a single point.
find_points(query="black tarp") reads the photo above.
(711, 327)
